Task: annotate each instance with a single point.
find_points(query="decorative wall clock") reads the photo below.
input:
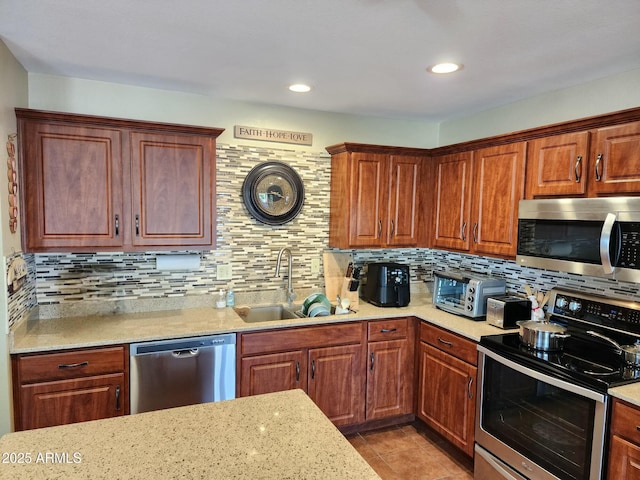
(273, 193)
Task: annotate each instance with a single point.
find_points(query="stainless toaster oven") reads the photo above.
(465, 293)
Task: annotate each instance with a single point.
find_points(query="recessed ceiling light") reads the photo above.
(444, 68)
(299, 88)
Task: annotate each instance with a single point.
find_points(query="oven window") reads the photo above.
(560, 239)
(549, 425)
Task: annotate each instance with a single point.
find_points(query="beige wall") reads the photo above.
(13, 93)
(75, 95)
(606, 95)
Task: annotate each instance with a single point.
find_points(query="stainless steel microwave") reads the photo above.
(589, 236)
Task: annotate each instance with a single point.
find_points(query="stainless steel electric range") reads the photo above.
(545, 414)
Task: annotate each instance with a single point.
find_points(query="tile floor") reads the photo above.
(410, 453)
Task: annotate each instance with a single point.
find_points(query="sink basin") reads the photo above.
(266, 313)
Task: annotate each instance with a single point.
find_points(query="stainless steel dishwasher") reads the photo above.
(184, 371)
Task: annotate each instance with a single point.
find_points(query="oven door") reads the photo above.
(540, 426)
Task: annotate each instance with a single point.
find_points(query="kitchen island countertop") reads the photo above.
(279, 435)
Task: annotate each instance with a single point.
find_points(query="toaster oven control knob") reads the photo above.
(472, 290)
(562, 302)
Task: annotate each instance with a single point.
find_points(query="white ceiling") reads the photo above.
(363, 57)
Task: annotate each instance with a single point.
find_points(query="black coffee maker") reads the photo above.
(387, 285)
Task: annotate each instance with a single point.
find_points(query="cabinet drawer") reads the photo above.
(449, 342)
(625, 421)
(299, 338)
(64, 365)
(388, 329)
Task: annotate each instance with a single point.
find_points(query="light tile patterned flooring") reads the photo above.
(410, 453)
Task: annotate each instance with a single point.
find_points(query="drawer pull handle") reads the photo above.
(448, 344)
(297, 371)
(373, 359)
(388, 330)
(469, 390)
(118, 398)
(638, 427)
(635, 465)
(313, 370)
(137, 225)
(598, 173)
(117, 225)
(74, 365)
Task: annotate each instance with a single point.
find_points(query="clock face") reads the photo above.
(273, 193)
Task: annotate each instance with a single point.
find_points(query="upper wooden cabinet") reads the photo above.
(92, 183)
(615, 154)
(558, 165)
(476, 199)
(375, 197)
(452, 206)
(604, 161)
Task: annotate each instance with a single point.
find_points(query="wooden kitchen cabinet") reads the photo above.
(476, 199)
(447, 385)
(558, 166)
(95, 183)
(624, 449)
(375, 197)
(390, 367)
(452, 205)
(68, 387)
(327, 362)
(604, 161)
(615, 156)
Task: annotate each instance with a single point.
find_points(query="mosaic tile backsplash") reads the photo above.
(251, 249)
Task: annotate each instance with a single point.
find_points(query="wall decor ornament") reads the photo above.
(273, 193)
(13, 183)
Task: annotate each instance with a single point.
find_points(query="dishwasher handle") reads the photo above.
(187, 353)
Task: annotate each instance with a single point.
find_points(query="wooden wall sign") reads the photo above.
(271, 135)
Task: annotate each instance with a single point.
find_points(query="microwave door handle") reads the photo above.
(605, 243)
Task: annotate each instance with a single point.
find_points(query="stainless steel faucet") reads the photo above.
(291, 296)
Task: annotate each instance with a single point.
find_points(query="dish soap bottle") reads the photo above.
(231, 297)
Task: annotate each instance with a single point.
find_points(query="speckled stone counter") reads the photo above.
(275, 436)
(628, 393)
(38, 335)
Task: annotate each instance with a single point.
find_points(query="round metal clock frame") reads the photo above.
(273, 193)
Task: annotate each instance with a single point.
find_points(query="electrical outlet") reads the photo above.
(223, 272)
(315, 265)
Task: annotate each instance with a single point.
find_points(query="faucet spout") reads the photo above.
(291, 296)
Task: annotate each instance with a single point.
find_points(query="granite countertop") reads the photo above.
(279, 435)
(35, 334)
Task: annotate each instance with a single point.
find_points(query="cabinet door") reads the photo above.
(72, 186)
(616, 157)
(273, 373)
(402, 222)
(624, 459)
(172, 180)
(368, 193)
(498, 187)
(389, 379)
(446, 396)
(557, 166)
(453, 182)
(69, 401)
(336, 382)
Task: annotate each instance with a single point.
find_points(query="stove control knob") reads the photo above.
(574, 306)
(562, 302)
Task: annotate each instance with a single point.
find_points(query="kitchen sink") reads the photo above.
(267, 313)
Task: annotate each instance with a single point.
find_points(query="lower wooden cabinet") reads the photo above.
(390, 366)
(68, 387)
(325, 361)
(447, 385)
(624, 450)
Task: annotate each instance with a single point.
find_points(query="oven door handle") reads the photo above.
(570, 387)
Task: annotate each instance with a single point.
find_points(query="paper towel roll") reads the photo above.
(178, 262)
